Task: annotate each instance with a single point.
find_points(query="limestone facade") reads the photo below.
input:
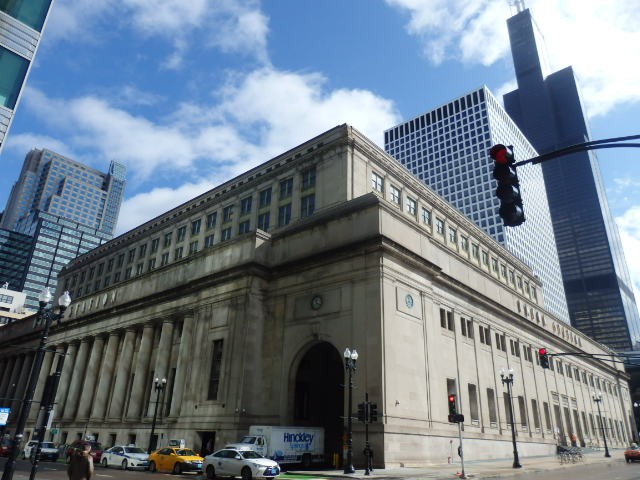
(249, 328)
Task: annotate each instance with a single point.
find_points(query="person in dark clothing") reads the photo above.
(81, 464)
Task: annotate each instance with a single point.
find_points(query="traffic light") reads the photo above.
(452, 404)
(362, 415)
(508, 191)
(373, 412)
(543, 356)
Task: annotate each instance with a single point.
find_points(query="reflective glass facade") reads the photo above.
(447, 149)
(549, 112)
(15, 249)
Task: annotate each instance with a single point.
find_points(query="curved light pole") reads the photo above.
(158, 386)
(507, 379)
(350, 359)
(597, 397)
(45, 316)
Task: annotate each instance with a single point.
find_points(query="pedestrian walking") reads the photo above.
(81, 464)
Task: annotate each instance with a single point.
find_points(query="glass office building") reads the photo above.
(21, 26)
(447, 148)
(15, 250)
(549, 112)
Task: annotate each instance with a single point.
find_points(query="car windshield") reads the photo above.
(134, 450)
(250, 454)
(186, 452)
(47, 445)
(248, 439)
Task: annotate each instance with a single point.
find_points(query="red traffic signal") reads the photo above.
(501, 154)
(452, 404)
(508, 191)
(543, 356)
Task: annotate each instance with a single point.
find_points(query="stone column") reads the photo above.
(90, 378)
(122, 376)
(65, 377)
(77, 378)
(163, 356)
(21, 384)
(42, 378)
(13, 379)
(9, 363)
(140, 373)
(105, 377)
(184, 358)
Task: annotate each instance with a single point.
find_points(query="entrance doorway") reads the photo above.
(319, 397)
(207, 443)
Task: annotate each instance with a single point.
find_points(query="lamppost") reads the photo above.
(507, 379)
(350, 359)
(158, 385)
(597, 397)
(45, 316)
(636, 414)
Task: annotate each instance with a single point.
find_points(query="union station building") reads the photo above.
(245, 297)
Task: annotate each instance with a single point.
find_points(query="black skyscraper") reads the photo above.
(549, 112)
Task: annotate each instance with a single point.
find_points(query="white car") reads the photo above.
(125, 457)
(48, 451)
(247, 464)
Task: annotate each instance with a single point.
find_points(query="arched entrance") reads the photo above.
(318, 400)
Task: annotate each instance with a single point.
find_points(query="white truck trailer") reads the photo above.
(285, 445)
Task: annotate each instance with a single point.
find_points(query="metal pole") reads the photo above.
(604, 434)
(49, 397)
(348, 467)
(367, 417)
(462, 475)
(155, 414)
(516, 460)
(10, 466)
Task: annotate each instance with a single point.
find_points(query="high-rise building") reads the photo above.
(21, 26)
(549, 112)
(447, 148)
(58, 185)
(58, 209)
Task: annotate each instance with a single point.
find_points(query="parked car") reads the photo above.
(125, 457)
(6, 446)
(78, 445)
(632, 454)
(231, 462)
(48, 450)
(175, 460)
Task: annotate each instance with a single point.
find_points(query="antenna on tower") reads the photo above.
(519, 4)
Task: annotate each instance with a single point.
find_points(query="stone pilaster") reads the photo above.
(105, 377)
(140, 374)
(77, 379)
(184, 358)
(90, 379)
(123, 373)
(42, 379)
(8, 365)
(65, 377)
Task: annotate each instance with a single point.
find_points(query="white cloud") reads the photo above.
(629, 226)
(601, 40)
(23, 142)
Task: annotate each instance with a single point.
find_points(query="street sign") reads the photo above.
(4, 415)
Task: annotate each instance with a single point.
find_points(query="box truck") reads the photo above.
(285, 445)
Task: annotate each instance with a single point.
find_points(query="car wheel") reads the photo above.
(104, 462)
(211, 472)
(177, 468)
(246, 473)
(627, 459)
(152, 466)
(124, 465)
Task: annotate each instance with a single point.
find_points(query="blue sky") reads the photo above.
(189, 94)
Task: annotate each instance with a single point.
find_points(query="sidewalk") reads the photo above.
(476, 469)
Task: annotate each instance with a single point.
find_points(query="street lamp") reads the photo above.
(507, 379)
(158, 385)
(44, 317)
(636, 414)
(350, 359)
(597, 397)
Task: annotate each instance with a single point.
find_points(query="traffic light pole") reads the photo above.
(461, 451)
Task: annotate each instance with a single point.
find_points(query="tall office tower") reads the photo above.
(55, 184)
(549, 112)
(65, 208)
(447, 148)
(21, 26)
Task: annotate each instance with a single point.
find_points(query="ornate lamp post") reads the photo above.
(350, 359)
(158, 386)
(45, 316)
(507, 379)
(636, 413)
(597, 397)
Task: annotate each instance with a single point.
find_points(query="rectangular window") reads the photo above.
(412, 206)
(263, 221)
(164, 259)
(547, 416)
(265, 198)
(284, 215)
(167, 240)
(309, 178)
(193, 247)
(127, 273)
(395, 195)
(227, 213)
(485, 258)
(139, 268)
(377, 182)
(216, 369)
(286, 188)
(446, 319)
(226, 234)
(208, 241)
(116, 277)
(507, 407)
(501, 342)
(536, 414)
(475, 251)
(120, 261)
(473, 403)
(132, 255)
(523, 413)
(244, 227)
(464, 243)
(440, 226)
(245, 205)
(152, 264)
(110, 265)
(307, 205)
(494, 265)
(453, 235)
(154, 245)
(212, 219)
(466, 327)
(142, 251)
(195, 226)
(491, 401)
(515, 348)
(426, 216)
(182, 232)
(14, 70)
(178, 253)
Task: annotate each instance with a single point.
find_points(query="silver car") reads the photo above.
(247, 464)
(125, 457)
(48, 450)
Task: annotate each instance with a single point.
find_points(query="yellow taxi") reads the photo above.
(175, 460)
